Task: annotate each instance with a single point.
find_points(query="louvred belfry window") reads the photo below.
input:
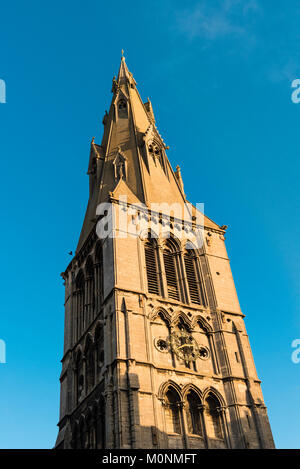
(171, 273)
(152, 267)
(196, 294)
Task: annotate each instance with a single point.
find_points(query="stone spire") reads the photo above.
(133, 148)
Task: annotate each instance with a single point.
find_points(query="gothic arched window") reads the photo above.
(193, 280)
(193, 416)
(122, 109)
(172, 411)
(152, 269)
(212, 417)
(171, 270)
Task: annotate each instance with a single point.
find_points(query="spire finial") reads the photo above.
(122, 52)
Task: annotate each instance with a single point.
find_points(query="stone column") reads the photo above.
(88, 301)
(222, 415)
(109, 417)
(98, 287)
(183, 422)
(165, 442)
(76, 316)
(213, 352)
(84, 368)
(201, 409)
(93, 423)
(80, 312)
(200, 281)
(184, 293)
(255, 411)
(161, 269)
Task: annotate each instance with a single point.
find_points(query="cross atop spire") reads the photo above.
(123, 70)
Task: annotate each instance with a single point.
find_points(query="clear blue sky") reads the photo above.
(219, 76)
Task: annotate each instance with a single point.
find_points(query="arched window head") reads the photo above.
(182, 326)
(172, 411)
(152, 269)
(192, 407)
(163, 319)
(122, 104)
(212, 417)
(122, 109)
(80, 281)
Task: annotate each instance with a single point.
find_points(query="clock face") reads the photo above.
(184, 346)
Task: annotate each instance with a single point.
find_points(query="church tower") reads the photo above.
(156, 354)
